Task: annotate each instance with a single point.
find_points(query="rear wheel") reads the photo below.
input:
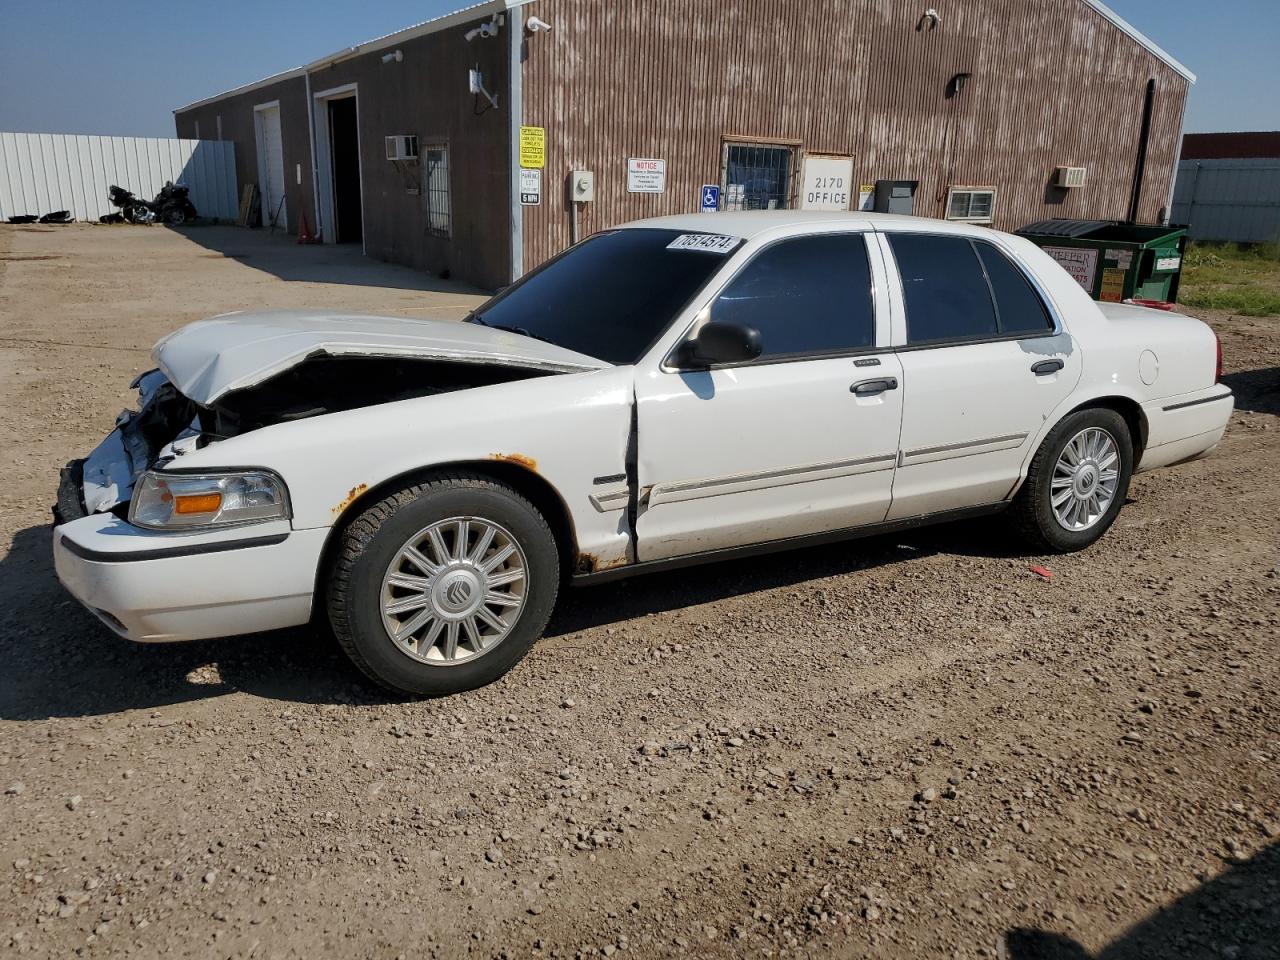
(1077, 482)
(443, 586)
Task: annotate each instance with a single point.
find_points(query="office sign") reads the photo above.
(826, 183)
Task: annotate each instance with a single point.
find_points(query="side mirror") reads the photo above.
(719, 343)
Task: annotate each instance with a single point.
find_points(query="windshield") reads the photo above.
(611, 296)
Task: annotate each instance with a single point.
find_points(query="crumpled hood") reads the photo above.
(210, 358)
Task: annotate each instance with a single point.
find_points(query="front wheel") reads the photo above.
(1077, 482)
(443, 586)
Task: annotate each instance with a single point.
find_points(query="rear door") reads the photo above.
(984, 363)
(782, 446)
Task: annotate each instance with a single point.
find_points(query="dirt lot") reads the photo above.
(905, 747)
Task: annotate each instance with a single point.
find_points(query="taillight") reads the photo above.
(1217, 372)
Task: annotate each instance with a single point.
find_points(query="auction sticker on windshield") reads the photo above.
(706, 242)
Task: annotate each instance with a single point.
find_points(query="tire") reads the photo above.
(371, 564)
(1034, 515)
(175, 216)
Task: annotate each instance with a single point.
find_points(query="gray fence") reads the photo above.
(44, 172)
(1233, 200)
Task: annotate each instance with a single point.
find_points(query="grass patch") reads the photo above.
(1228, 276)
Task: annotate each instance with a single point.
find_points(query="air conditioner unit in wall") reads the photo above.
(403, 147)
(1069, 177)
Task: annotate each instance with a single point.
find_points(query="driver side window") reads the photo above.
(808, 296)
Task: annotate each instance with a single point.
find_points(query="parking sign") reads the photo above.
(710, 198)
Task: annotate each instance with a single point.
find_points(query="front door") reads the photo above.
(785, 445)
(983, 366)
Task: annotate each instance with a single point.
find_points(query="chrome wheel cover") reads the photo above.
(1085, 479)
(454, 591)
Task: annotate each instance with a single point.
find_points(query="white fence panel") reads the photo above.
(44, 172)
(1231, 200)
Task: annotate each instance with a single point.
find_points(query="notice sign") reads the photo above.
(646, 176)
(1082, 264)
(1112, 285)
(867, 196)
(827, 183)
(533, 147)
(710, 198)
(530, 187)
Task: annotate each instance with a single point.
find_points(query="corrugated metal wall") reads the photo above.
(1234, 200)
(1052, 83)
(44, 172)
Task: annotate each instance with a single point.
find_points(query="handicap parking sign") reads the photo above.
(710, 198)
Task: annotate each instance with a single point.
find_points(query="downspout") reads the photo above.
(315, 176)
(1140, 167)
(515, 71)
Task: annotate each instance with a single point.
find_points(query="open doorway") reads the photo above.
(344, 146)
(337, 123)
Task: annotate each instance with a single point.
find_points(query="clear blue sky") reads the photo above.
(121, 66)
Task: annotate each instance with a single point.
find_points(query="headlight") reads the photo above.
(176, 501)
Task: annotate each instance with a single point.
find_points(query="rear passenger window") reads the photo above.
(1019, 307)
(946, 293)
(810, 295)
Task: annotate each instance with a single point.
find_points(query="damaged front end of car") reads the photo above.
(231, 375)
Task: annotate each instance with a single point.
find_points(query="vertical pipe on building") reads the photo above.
(1140, 167)
(315, 176)
(515, 100)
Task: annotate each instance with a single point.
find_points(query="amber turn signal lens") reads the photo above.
(197, 503)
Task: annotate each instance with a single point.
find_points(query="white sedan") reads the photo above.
(670, 392)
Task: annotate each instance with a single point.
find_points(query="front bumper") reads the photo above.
(157, 587)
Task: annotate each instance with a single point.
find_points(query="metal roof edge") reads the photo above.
(1142, 39)
(434, 25)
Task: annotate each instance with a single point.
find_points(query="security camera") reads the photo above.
(534, 25)
(489, 29)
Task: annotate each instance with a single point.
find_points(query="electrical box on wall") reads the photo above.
(402, 147)
(582, 186)
(1069, 177)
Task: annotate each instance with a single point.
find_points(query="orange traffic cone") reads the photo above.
(304, 232)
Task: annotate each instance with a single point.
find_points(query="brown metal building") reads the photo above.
(993, 111)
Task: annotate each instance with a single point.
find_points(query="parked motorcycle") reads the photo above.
(171, 205)
(132, 208)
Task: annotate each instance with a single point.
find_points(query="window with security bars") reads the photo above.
(756, 176)
(971, 204)
(435, 182)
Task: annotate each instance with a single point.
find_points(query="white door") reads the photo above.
(271, 166)
(781, 446)
(983, 365)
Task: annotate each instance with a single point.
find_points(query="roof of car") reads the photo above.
(749, 224)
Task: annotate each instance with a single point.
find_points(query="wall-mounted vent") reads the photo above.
(403, 147)
(1069, 177)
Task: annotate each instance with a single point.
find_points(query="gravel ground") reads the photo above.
(904, 747)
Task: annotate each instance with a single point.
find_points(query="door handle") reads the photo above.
(1046, 367)
(870, 388)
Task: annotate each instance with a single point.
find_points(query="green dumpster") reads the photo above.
(1115, 261)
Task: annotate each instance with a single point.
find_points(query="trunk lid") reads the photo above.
(211, 358)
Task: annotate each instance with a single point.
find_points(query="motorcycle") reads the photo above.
(132, 209)
(171, 205)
